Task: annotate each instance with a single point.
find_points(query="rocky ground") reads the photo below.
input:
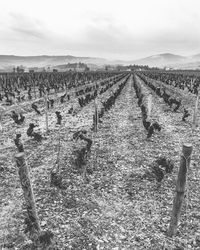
(115, 207)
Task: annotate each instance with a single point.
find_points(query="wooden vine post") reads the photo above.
(34, 88)
(2, 110)
(149, 105)
(96, 118)
(28, 192)
(46, 113)
(1, 127)
(180, 188)
(194, 125)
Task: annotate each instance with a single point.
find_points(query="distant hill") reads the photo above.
(161, 60)
(196, 57)
(7, 62)
(10, 61)
(171, 61)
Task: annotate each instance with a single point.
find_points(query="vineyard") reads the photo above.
(99, 160)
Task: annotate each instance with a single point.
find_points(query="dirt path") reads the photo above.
(132, 208)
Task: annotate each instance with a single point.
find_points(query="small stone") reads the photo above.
(43, 223)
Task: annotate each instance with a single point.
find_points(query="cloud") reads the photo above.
(124, 30)
(27, 27)
(106, 34)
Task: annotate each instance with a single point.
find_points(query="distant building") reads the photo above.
(78, 67)
(33, 69)
(168, 68)
(19, 69)
(110, 68)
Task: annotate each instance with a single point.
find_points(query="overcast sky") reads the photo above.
(114, 29)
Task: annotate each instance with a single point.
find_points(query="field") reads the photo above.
(95, 174)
